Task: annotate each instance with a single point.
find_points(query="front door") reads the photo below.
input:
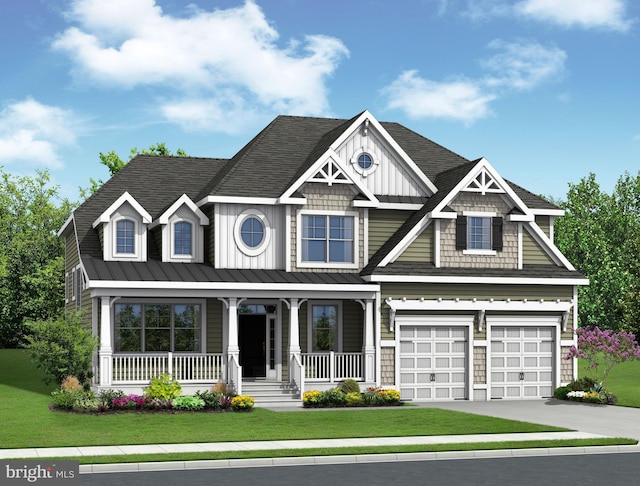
(252, 340)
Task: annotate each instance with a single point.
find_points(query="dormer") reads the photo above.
(182, 232)
(124, 230)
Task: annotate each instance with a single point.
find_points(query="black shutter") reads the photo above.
(497, 234)
(461, 233)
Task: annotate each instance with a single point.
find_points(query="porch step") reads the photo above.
(272, 393)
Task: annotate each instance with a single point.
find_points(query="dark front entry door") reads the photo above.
(252, 340)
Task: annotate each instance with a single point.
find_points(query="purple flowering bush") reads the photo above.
(603, 349)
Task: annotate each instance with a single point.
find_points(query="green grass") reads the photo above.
(209, 456)
(28, 422)
(623, 382)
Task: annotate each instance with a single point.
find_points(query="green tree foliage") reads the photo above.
(112, 161)
(600, 235)
(31, 254)
(62, 347)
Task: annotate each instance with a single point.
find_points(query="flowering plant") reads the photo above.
(242, 402)
(604, 347)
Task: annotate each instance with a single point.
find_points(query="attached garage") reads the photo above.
(434, 362)
(523, 356)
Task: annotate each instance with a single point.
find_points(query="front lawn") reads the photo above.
(28, 422)
(623, 382)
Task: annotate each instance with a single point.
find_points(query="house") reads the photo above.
(325, 249)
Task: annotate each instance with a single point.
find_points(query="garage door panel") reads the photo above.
(433, 362)
(522, 361)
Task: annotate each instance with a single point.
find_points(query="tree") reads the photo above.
(600, 235)
(61, 347)
(112, 161)
(31, 254)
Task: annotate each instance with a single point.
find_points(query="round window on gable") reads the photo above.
(364, 162)
(251, 232)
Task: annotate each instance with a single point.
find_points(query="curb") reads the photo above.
(347, 459)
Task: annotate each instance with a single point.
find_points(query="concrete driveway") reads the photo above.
(597, 419)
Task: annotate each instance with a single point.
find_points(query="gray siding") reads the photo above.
(421, 250)
(214, 326)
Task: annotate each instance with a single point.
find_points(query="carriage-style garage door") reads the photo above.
(522, 362)
(433, 362)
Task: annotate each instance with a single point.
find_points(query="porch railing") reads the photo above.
(186, 368)
(296, 372)
(332, 366)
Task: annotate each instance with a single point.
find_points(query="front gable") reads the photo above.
(480, 222)
(366, 157)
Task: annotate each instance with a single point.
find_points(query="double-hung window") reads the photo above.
(182, 238)
(125, 236)
(328, 239)
(479, 233)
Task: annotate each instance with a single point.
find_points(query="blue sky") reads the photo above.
(546, 90)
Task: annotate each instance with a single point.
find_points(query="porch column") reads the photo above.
(368, 347)
(232, 336)
(294, 329)
(105, 353)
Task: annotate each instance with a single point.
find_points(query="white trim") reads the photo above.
(266, 232)
(105, 217)
(313, 264)
(287, 238)
(440, 321)
(400, 206)
(330, 156)
(520, 218)
(217, 221)
(547, 212)
(66, 223)
(267, 201)
(480, 214)
(182, 200)
(520, 249)
(366, 117)
(365, 235)
(552, 250)
(406, 241)
(475, 305)
(482, 165)
(475, 280)
(356, 166)
(480, 252)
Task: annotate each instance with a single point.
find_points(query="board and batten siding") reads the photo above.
(391, 177)
(383, 223)
(231, 256)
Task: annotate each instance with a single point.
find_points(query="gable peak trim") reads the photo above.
(183, 200)
(125, 198)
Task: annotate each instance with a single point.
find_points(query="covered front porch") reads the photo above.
(294, 343)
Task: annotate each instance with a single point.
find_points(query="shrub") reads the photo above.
(333, 398)
(78, 400)
(163, 387)
(106, 398)
(560, 393)
(389, 396)
(311, 398)
(349, 386)
(242, 403)
(214, 400)
(70, 383)
(224, 389)
(188, 402)
(61, 348)
(372, 398)
(354, 399)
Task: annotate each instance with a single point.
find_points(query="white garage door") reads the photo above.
(433, 362)
(521, 362)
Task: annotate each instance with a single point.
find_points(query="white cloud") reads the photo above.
(516, 66)
(609, 14)
(460, 100)
(33, 133)
(523, 65)
(130, 43)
